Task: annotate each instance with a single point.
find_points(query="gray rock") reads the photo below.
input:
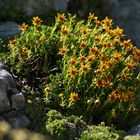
(60, 5)
(16, 119)
(126, 14)
(18, 101)
(134, 131)
(8, 91)
(30, 8)
(8, 29)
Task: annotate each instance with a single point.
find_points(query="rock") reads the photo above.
(18, 101)
(134, 131)
(8, 29)
(125, 14)
(16, 119)
(11, 99)
(29, 8)
(60, 5)
(9, 92)
(4, 102)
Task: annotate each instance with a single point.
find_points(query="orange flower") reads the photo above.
(118, 32)
(98, 23)
(99, 83)
(110, 64)
(12, 42)
(64, 30)
(20, 56)
(94, 50)
(73, 72)
(85, 68)
(73, 97)
(130, 65)
(47, 90)
(98, 71)
(82, 58)
(107, 44)
(83, 44)
(36, 21)
(62, 51)
(117, 56)
(24, 50)
(112, 97)
(91, 16)
(123, 77)
(23, 27)
(61, 17)
(126, 43)
(107, 22)
(84, 31)
(108, 84)
(72, 61)
(97, 38)
(90, 58)
(117, 42)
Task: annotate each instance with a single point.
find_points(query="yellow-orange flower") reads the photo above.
(91, 16)
(85, 31)
(85, 68)
(97, 38)
(12, 42)
(107, 44)
(82, 58)
(61, 17)
(72, 61)
(73, 72)
(73, 97)
(20, 56)
(123, 76)
(24, 50)
(107, 22)
(117, 42)
(83, 44)
(117, 56)
(126, 43)
(36, 21)
(130, 65)
(118, 32)
(47, 90)
(23, 27)
(90, 58)
(94, 50)
(99, 83)
(64, 30)
(62, 51)
(98, 71)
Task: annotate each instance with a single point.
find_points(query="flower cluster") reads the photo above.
(98, 67)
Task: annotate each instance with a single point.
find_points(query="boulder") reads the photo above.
(8, 29)
(11, 100)
(134, 131)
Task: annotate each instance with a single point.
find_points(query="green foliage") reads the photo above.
(102, 132)
(61, 127)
